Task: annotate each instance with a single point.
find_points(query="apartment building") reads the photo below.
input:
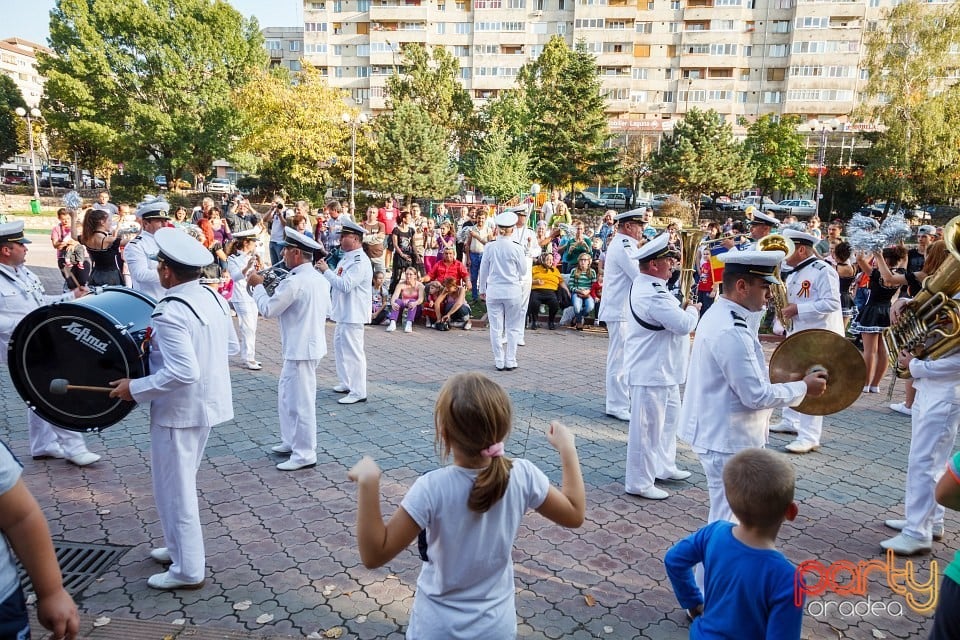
(284, 46)
(18, 59)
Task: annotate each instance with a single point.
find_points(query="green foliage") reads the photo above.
(501, 169)
(411, 155)
(778, 155)
(10, 99)
(566, 120)
(700, 156)
(916, 153)
(292, 133)
(150, 79)
(431, 80)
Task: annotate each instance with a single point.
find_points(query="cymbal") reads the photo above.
(795, 356)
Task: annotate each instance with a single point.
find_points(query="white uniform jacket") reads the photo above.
(192, 337)
(141, 256)
(620, 269)
(235, 266)
(814, 287)
(527, 239)
(302, 302)
(352, 288)
(940, 377)
(20, 293)
(502, 269)
(729, 397)
(657, 342)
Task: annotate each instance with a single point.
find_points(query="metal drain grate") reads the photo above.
(80, 564)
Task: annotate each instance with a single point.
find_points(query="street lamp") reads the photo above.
(354, 122)
(821, 157)
(35, 113)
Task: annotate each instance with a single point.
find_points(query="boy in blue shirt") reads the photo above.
(748, 584)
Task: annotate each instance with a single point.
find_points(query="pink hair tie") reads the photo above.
(493, 451)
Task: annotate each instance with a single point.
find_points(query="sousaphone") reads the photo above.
(818, 349)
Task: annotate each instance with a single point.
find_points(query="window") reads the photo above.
(697, 49)
(644, 27)
(780, 26)
(320, 27)
(515, 27)
(318, 6)
(812, 22)
(618, 25)
(463, 5)
(874, 3)
(315, 48)
(294, 45)
(615, 94)
(338, 6)
(465, 73)
(363, 50)
(441, 28)
(775, 74)
(722, 25)
(640, 73)
(638, 97)
(273, 45)
(723, 49)
(363, 72)
(489, 49)
(560, 5)
(641, 51)
(561, 28)
(363, 5)
(463, 28)
(675, 4)
(337, 29)
(589, 23)
(692, 74)
(673, 27)
(295, 65)
(742, 97)
(772, 97)
(668, 74)
(668, 96)
(778, 50)
(516, 4)
(719, 95)
(785, 4)
(460, 50)
(338, 49)
(727, 3)
(748, 50)
(487, 4)
(412, 26)
(338, 72)
(360, 95)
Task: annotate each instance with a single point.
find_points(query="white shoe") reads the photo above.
(342, 388)
(55, 452)
(783, 427)
(83, 459)
(290, 465)
(467, 326)
(904, 545)
(901, 407)
(521, 343)
(679, 474)
(900, 525)
(428, 323)
(651, 493)
(801, 447)
(164, 582)
(161, 555)
(408, 327)
(283, 449)
(873, 389)
(392, 326)
(620, 415)
(351, 398)
(253, 365)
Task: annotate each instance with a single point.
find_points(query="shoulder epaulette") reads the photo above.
(738, 320)
(819, 265)
(659, 288)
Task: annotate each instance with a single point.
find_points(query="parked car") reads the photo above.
(755, 201)
(220, 185)
(178, 184)
(56, 175)
(615, 200)
(15, 176)
(584, 200)
(799, 208)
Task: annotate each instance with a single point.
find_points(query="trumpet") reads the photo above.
(739, 240)
(778, 292)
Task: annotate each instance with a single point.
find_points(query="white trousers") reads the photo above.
(297, 406)
(652, 439)
(933, 434)
(618, 395)
(505, 317)
(713, 463)
(350, 358)
(46, 439)
(527, 285)
(247, 330)
(175, 456)
(809, 428)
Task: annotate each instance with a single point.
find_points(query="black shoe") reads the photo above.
(534, 325)
(551, 325)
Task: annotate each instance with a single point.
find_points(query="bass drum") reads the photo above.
(89, 341)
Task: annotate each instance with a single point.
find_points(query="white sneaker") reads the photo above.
(467, 325)
(351, 398)
(83, 459)
(408, 327)
(620, 415)
(783, 427)
(429, 324)
(392, 326)
(253, 365)
(901, 407)
(652, 493)
(161, 555)
(801, 447)
(281, 448)
(679, 474)
(904, 545)
(900, 525)
(341, 388)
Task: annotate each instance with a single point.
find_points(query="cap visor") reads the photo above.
(771, 279)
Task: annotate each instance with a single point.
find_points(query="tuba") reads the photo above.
(272, 277)
(689, 244)
(929, 326)
(778, 292)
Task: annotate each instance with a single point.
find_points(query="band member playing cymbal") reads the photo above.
(20, 293)
(189, 392)
(728, 398)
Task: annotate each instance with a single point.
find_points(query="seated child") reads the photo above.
(380, 304)
(748, 584)
(469, 513)
(451, 306)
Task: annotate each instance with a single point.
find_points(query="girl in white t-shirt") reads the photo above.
(467, 514)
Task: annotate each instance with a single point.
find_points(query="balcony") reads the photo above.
(398, 12)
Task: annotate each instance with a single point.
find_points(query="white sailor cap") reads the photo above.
(756, 263)
(759, 217)
(153, 208)
(634, 215)
(506, 219)
(246, 233)
(349, 226)
(659, 247)
(927, 230)
(800, 237)
(299, 241)
(520, 210)
(180, 248)
(13, 232)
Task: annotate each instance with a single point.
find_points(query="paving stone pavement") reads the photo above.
(285, 541)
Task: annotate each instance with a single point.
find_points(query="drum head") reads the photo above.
(88, 342)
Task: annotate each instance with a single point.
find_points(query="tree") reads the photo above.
(149, 80)
(699, 157)
(10, 100)
(778, 155)
(411, 155)
(292, 132)
(908, 64)
(569, 137)
(431, 80)
(501, 170)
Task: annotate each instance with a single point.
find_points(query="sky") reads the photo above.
(30, 20)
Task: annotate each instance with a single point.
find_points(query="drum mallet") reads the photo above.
(59, 386)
